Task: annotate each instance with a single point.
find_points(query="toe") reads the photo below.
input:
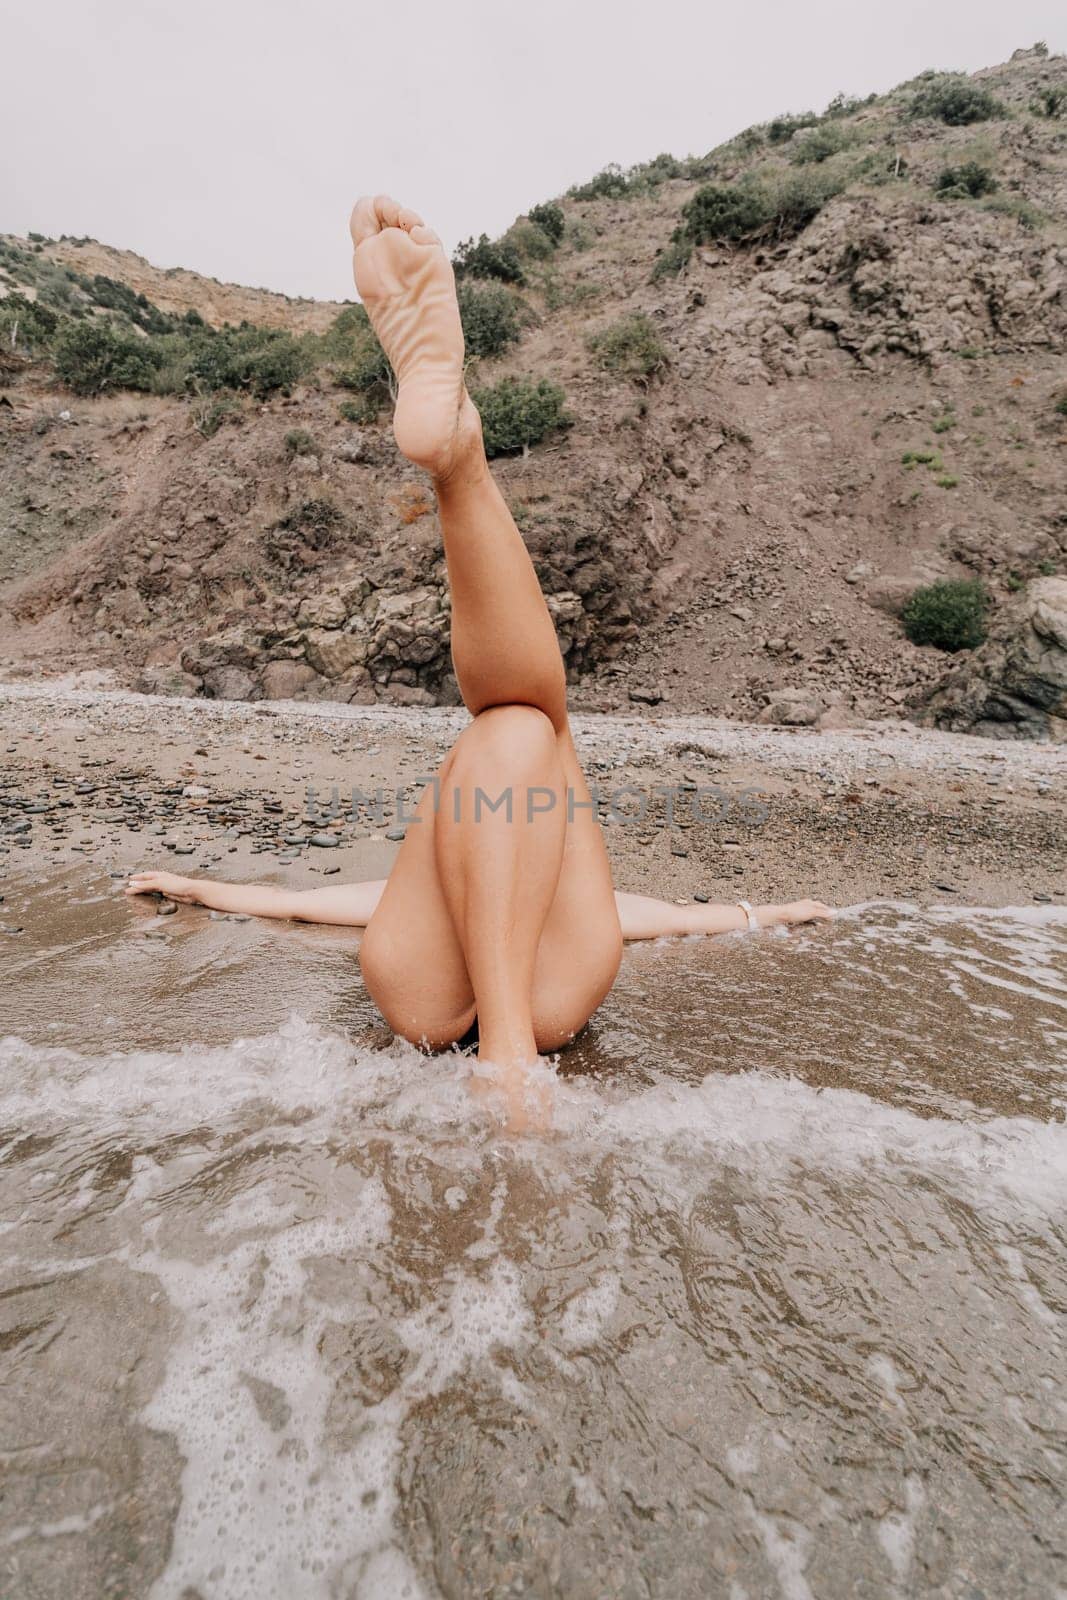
(424, 235)
(388, 211)
(364, 221)
(409, 219)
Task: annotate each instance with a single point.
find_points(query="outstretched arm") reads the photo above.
(348, 905)
(643, 917)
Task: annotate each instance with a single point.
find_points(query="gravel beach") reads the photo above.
(695, 806)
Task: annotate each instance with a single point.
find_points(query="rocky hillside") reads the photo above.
(805, 376)
(54, 263)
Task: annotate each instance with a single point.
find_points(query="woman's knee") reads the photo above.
(571, 983)
(430, 1020)
(518, 739)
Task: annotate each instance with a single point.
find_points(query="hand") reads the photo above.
(805, 911)
(184, 890)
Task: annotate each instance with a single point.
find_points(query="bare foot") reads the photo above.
(405, 281)
(521, 1094)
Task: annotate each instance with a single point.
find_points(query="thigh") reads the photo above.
(410, 957)
(413, 963)
(581, 944)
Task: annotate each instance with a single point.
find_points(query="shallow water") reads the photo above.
(776, 1308)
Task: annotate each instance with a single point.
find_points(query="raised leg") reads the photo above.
(529, 900)
(499, 847)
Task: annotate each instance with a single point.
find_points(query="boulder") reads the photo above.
(354, 449)
(235, 648)
(332, 652)
(404, 694)
(325, 610)
(1015, 685)
(167, 680)
(792, 708)
(890, 594)
(356, 686)
(290, 680)
(231, 683)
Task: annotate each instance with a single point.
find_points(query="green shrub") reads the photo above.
(579, 235)
(609, 184)
(370, 369)
(782, 129)
(735, 150)
(950, 615)
(943, 423)
(273, 361)
(1050, 101)
(549, 218)
(488, 259)
(720, 211)
(489, 313)
(1017, 206)
(209, 415)
(518, 412)
(672, 258)
(361, 411)
(261, 360)
(755, 209)
(630, 346)
(352, 341)
(845, 105)
(298, 442)
(349, 327)
(647, 176)
(951, 97)
(966, 182)
(527, 240)
(91, 357)
(115, 296)
(820, 143)
(1061, 405)
(26, 325)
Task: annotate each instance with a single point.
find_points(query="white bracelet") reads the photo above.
(753, 924)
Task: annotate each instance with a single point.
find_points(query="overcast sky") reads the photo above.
(231, 136)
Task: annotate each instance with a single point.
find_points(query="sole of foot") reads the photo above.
(406, 283)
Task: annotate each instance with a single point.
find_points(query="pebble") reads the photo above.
(324, 841)
(396, 833)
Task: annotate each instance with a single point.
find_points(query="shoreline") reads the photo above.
(886, 811)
